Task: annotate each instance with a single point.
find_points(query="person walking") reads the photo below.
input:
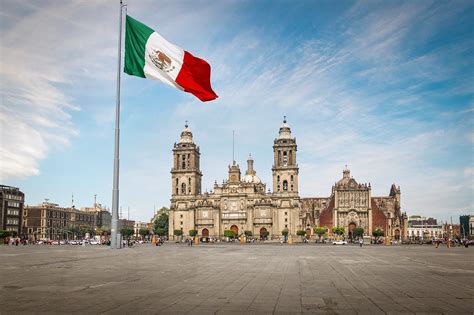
(361, 242)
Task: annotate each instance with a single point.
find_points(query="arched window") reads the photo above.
(278, 178)
(291, 178)
(189, 185)
(285, 158)
(285, 185)
(183, 188)
(183, 163)
(177, 186)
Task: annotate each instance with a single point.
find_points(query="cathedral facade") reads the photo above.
(243, 203)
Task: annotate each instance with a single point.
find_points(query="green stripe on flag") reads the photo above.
(136, 36)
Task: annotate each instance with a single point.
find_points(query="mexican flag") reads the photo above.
(149, 55)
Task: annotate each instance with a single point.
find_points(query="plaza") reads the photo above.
(233, 278)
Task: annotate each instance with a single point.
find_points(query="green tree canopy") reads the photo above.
(301, 233)
(177, 232)
(144, 232)
(161, 232)
(339, 230)
(161, 222)
(4, 234)
(358, 231)
(83, 230)
(229, 233)
(126, 232)
(378, 233)
(320, 231)
(193, 233)
(284, 232)
(248, 233)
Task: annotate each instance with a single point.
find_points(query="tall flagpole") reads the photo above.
(115, 235)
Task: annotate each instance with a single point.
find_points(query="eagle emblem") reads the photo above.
(161, 60)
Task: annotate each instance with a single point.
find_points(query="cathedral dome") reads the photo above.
(250, 174)
(186, 135)
(285, 131)
(252, 179)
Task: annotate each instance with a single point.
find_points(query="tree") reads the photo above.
(338, 230)
(5, 234)
(83, 230)
(144, 232)
(161, 222)
(301, 233)
(358, 232)
(248, 233)
(378, 233)
(193, 233)
(161, 232)
(177, 232)
(285, 232)
(264, 234)
(320, 231)
(230, 233)
(126, 232)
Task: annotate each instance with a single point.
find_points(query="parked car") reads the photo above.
(73, 242)
(94, 242)
(340, 242)
(54, 242)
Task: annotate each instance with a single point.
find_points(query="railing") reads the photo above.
(234, 215)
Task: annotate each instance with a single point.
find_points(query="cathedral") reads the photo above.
(243, 203)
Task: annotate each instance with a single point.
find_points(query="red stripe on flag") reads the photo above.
(195, 78)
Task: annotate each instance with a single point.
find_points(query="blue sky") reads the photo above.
(384, 87)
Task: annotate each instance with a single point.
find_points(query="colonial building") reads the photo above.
(11, 209)
(422, 228)
(49, 221)
(352, 205)
(242, 203)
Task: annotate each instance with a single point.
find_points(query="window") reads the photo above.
(291, 178)
(13, 212)
(278, 178)
(183, 163)
(285, 185)
(181, 216)
(286, 213)
(183, 188)
(286, 226)
(286, 219)
(189, 185)
(181, 222)
(291, 187)
(285, 159)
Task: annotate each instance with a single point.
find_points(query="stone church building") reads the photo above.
(243, 203)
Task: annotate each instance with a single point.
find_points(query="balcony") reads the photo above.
(234, 215)
(262, 221)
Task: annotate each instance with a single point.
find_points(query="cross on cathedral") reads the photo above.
(186, 124)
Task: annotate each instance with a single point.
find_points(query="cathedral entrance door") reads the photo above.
(235, 229)
(351, 228)
(205, 233)
(397, 234)
(263, 233)
(308, 233)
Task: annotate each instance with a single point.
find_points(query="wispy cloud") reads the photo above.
(382, 87)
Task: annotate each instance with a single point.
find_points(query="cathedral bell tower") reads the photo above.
(185, 174)
(285, 168)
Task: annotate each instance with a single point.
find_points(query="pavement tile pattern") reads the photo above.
(237, 279)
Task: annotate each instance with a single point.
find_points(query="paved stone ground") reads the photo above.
(223, 279)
